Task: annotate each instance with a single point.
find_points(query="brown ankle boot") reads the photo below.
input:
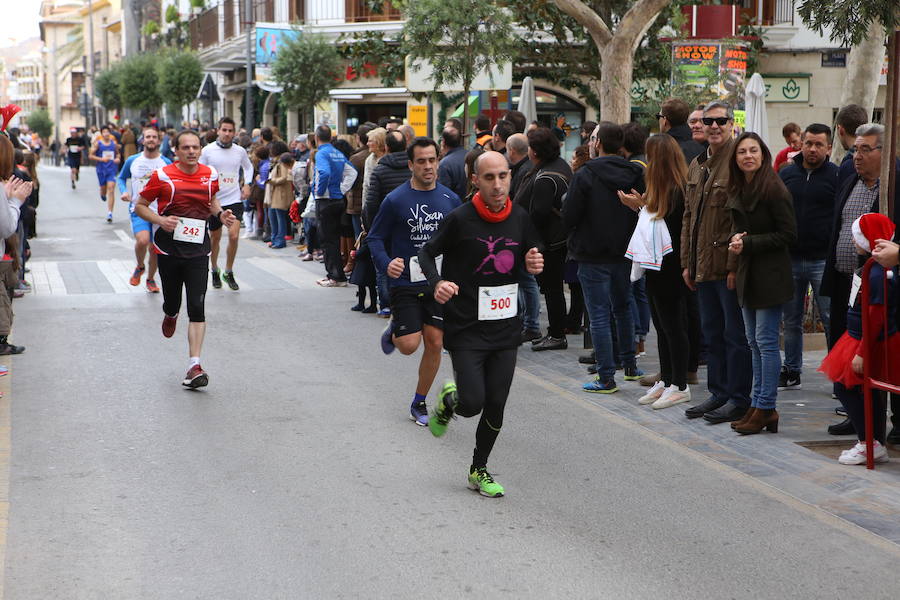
(763, 418)
(746, 417)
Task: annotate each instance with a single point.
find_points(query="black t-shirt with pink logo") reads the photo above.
(482, 259)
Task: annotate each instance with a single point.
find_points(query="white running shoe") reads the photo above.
(857, 454)
(653, 394)
(672, 396)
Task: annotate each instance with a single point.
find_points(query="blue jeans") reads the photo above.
(640, 308)
(762, 328)
(529, 300)
(279, 219)
(310, 233)
(381, 284)
(608, 286)
(806, 273)
(356, 220)
(728, 368)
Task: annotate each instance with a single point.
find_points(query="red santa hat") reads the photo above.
(871, 227)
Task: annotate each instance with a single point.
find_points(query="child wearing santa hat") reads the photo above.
(844, 363)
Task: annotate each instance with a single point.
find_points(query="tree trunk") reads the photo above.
(616, 64)
(466, 91)
(863, 71)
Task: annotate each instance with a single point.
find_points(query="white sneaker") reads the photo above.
(653, 394)
(857, 454)
(672, 396)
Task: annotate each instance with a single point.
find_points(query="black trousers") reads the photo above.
(330, 211)
(670, 317)
(192, 274)
(551, 283)
(695, 336)
(854, 402)
(483, 378)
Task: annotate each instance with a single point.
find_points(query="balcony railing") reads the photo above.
(774, 12)
(331, 12)
(204, 29)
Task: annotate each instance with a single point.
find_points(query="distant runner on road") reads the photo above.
(178, 200)
(105, 151)
(484, 244)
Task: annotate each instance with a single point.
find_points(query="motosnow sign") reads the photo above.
(497, 77)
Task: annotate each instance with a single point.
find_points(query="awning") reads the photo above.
(473, 108)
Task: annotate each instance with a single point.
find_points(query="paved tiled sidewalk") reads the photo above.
(870, 499)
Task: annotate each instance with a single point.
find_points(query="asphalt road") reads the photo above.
(296, 473)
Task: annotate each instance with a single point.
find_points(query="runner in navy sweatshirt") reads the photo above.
(406, 220)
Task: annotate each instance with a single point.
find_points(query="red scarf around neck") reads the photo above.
(487, 214)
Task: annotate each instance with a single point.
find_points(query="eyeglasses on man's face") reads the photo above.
(865, 149)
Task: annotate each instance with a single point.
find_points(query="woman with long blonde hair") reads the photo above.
(666, 177)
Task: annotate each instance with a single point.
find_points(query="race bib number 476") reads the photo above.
(190, 230)
(498, 302)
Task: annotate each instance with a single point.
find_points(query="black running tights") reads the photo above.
(190, 273)
(483, 378)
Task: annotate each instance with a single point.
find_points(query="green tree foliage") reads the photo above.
(180, 74)
(460, 38)
(558, 49)
(106, 87)
(40, 122)
(139, 82)
(364, 48)
(306, 68)
(849, 20)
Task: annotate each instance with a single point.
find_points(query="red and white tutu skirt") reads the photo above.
(838, 367)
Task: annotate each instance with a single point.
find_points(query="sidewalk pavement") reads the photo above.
(801, 459)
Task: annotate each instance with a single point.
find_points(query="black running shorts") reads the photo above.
(237, 209)
(412, 307)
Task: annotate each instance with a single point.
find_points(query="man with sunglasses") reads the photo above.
(710, 269)
(857, 195)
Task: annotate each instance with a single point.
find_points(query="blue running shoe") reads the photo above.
(418, 412)
(601, 387)
(387, 341)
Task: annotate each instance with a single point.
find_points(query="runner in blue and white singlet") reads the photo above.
(138, 168)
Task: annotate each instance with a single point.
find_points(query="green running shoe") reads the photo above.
(443, 410)
(481, 480)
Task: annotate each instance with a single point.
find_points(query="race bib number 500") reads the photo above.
(498, 302)
(190, 230)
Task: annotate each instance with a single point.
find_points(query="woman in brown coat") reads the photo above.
(129, 142)
(762, 214)
(282, 182)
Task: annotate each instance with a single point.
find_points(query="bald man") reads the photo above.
(484, 244)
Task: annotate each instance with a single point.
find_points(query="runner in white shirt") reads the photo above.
(138, 168)
(230, 160)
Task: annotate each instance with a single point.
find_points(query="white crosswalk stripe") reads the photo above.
(46, 279)
(294, 275)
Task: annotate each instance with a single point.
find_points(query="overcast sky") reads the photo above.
(19, 23)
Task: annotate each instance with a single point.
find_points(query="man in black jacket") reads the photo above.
(856, 196)
(812, 180)
(452, 169)
(391, 172)
(673, 115)
(600, 228)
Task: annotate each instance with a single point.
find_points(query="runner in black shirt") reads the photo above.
(484, 243)
(74, 148)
